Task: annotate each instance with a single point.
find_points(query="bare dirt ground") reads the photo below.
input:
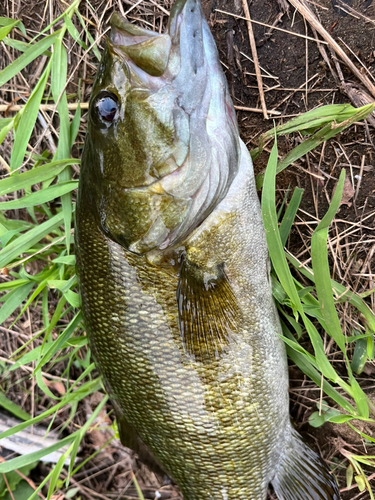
(298, 75)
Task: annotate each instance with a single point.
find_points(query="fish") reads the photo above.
(174, 272)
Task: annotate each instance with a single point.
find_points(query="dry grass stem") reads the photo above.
(270, 26)
(255, 58)
(310, 17)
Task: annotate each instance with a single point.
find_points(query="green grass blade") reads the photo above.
(301, 361)
(84, 428)
(34, 176)
(58, 344)
(280, 265)
(346, 295)
(54, 478)
(274, 243)
(137, 487)
(290, 214)
(8, 28)
(6, 129)
(14, 300)
(318, 138)
(40, 197)
(8, 405)
(27, 118)
(27, 240)
(319, 258)
(23, 460)
(77, 395)
(34, 51)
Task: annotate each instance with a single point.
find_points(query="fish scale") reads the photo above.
(137, 341)
(176, 292)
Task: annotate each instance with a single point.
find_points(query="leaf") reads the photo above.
(26, 460)
(359, 356)
(34, 176)
(14, 478)
(34, 50)
(69, 260)
(27, 240)
(8, 405)
(343, 121)
(316, 420)
(360, 482)
(23, 491)
(14, 299)
(349, 475)
(290, 214)
(7, 29)
(27, 119)
(348, 193)
(320, 265)
(40, 197)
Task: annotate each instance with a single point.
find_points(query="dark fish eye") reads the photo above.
(106, 107)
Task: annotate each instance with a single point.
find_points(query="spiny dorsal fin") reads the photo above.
(208, 310)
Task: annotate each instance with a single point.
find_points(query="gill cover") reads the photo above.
(162, 146)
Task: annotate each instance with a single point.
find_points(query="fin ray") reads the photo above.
(208, 310)
(302, 474)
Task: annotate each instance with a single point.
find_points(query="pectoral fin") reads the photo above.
(208, 311)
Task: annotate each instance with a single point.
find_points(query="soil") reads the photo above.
(287, 62)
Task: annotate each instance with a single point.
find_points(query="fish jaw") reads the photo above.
(173, 140)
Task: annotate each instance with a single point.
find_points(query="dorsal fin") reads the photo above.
(208, 310)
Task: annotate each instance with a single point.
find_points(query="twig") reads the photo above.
(30, 369)
(263, 69)
(160, 7)
(8, 487)
(255, 57)
(5, 108)
(353, 11)
(270, 26)
(256, 110)
(310, 17)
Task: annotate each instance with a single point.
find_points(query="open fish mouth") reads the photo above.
(144, 49)
(162, 111)
(150, 52)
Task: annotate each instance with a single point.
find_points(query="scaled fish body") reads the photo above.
(173, 269)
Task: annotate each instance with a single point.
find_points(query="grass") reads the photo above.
(37, 258)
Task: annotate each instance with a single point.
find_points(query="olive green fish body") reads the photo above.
(174, 272)
(215, 425)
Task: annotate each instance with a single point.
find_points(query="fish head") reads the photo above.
(162, 145)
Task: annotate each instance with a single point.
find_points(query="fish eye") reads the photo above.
(106, 106)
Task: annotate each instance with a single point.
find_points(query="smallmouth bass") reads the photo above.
(174, 272)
